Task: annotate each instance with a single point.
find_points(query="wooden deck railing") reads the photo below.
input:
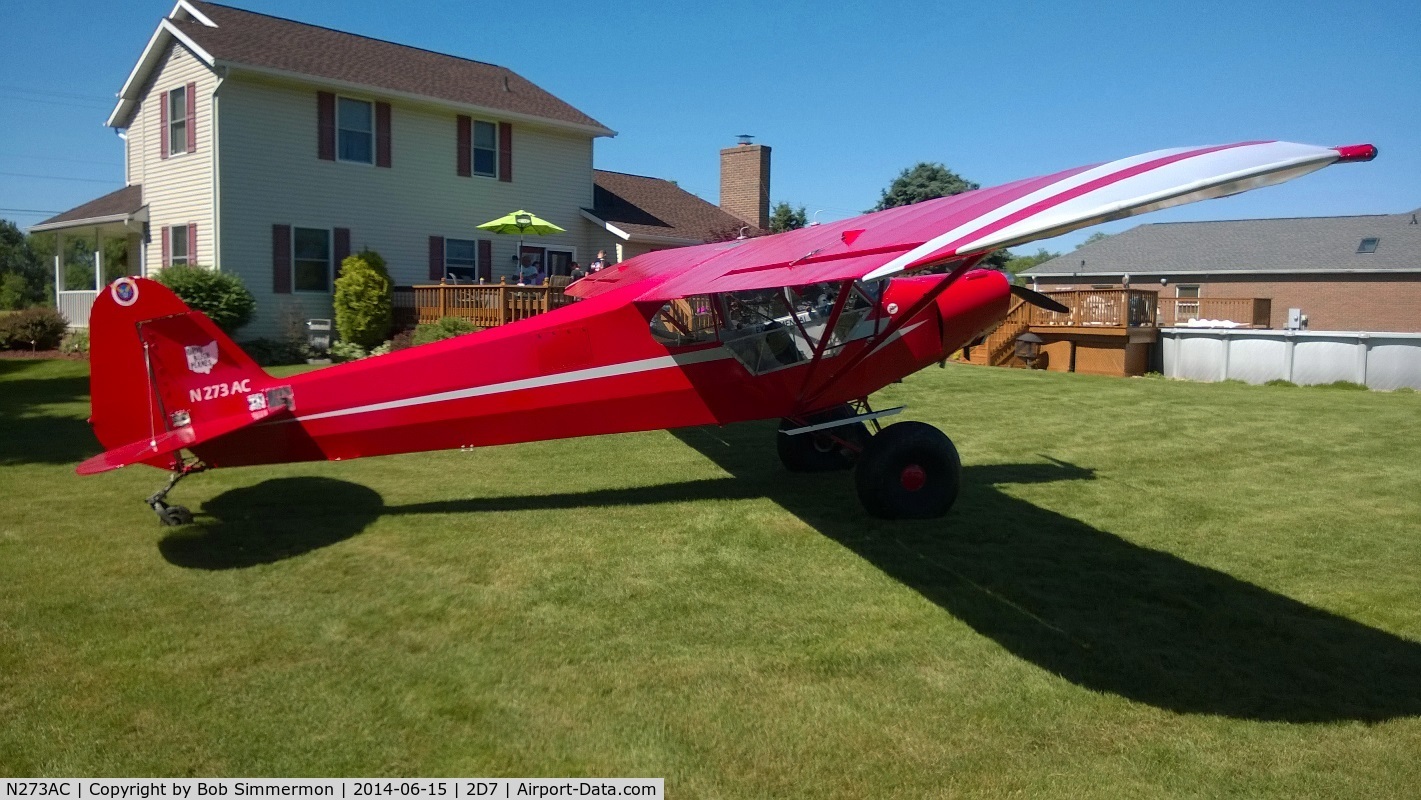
(1111, 308)
(483, 305)
(1256, 312)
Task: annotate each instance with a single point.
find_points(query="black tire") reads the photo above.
(822, 451)
(908, 471)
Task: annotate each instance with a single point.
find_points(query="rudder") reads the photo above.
(156, 365)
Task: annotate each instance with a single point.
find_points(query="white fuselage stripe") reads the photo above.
(541, 381)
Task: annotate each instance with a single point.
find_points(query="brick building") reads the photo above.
(1358, 273)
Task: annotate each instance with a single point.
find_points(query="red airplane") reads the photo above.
(802, 325)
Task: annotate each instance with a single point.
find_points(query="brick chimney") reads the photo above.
(745, 182)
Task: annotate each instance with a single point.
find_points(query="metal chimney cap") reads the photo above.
(745, 138)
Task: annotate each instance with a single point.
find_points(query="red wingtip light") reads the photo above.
(1355, 152)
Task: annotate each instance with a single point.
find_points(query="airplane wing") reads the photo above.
(950, 229)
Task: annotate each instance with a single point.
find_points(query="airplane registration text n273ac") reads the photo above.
(801, 326)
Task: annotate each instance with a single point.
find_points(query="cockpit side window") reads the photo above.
(685, 321)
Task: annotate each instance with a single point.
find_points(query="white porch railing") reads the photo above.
(75, 305)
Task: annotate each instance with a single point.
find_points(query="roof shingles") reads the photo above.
(644, 206)
(257, 40)
(1296, 245)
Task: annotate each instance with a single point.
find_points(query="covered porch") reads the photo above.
(81, 269)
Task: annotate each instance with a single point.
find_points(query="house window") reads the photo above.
(178, 255)
(1368, 245)
(461, 260)
(485, 145)
(1187, 306)
(355, 130)
(177, 121)
(311, 259)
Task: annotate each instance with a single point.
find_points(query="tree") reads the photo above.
(784, 217)
(1018, 264)
(22, 272)
(923, 182)
(1093, 238)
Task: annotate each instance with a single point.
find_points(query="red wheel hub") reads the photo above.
(913, 477)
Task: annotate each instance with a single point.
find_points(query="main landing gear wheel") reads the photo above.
(908, 471)
(829, 450)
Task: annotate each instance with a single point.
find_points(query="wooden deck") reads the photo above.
(482, 305)
(1108, 331)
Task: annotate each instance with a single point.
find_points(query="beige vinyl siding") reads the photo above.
(178, 190)
(270, 174)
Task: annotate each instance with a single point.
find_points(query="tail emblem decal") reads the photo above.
(202, 358)
(124, 291)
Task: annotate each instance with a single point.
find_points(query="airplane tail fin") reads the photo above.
(163, 377)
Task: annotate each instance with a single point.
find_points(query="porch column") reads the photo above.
(58, 266)
(98, 260)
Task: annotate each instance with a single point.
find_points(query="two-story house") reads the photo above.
(272, 149)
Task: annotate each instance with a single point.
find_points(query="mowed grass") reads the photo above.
(1147, 588)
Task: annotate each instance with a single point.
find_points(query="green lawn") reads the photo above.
(1147, 588)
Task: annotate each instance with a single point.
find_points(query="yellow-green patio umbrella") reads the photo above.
(522, 223)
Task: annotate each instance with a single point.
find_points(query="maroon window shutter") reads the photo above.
(163, 132)
(281, 259)
(191, 117)
(326, 126)
(167, 246)
(436, 257)
(342, 247)
(505, 152)
(486, 260)
(382, 134)
(466, 146)
(191, 243)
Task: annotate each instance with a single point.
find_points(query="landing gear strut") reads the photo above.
(827, 450)
(174, 515)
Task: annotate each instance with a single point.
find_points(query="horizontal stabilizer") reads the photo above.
(170, 442)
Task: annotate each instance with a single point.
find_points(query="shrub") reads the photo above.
(341, 350)
(384, 349)
(364, 300)
(446, 328)
(1280, 382)
(1345, 385)
(277, 352)
(220, 295)
(402, 340)
(75, 343)
(32, 329)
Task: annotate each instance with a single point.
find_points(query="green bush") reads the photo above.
(341, 350)
(220, 295)
(1345, 385)
(32, 329)
(1280, 382)
(364, 300)
(277, 352)
(75, 343)
(446, 328)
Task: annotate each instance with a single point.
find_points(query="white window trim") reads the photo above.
(477, 265)
(473, 168)
(374, 156)
(173, 120)
(173, 246)
(330, 261)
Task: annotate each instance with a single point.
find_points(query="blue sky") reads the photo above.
(847, 94)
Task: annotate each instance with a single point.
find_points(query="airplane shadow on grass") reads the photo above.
(1084, 604)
